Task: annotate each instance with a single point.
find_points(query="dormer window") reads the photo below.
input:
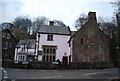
(23, 47)
(50, 38)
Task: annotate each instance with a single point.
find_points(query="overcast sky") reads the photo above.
(65, 10)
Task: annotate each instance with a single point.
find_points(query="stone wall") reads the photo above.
(89, 43)
(51, 66)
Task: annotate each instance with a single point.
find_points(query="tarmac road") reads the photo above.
(99, 74)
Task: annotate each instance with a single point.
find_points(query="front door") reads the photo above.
(65, 60)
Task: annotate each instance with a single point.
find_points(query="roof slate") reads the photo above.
(54, 30)
(29, 42)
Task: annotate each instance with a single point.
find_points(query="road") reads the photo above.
(63, 74)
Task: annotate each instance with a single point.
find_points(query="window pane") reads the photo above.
(44, 50)
(50, 58)
(44, 58)
(50, 38)
(47, 58)
(81, 41)
(54, 51)
(47, 50)
(50, 50)
(53, 58)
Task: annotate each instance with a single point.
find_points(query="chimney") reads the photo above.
(92, 17)
(51, 23)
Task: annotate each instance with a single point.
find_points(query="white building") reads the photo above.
(25, 50)
(52, 43)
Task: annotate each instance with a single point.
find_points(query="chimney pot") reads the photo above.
(51, 23)
(92, 16)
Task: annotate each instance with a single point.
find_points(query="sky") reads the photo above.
(65, 10)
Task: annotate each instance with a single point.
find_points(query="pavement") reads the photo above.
(86, 74)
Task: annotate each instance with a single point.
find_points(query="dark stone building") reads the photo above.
(0, 46)
(8, 45)
(10, 36)
(90, 44)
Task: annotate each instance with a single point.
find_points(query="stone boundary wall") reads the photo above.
(70, 66)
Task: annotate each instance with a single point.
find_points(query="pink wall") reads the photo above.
(61, 41)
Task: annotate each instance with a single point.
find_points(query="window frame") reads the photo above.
(82, 41)
(49, 37)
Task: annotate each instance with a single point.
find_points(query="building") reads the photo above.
(52, 43)
(89, 43)
(10, 37)
(0, 47)
(8, 45)
(25, 50)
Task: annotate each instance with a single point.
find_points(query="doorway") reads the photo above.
(65, 60)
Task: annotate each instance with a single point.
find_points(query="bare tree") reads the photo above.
(58, 23)
(39, 21)
(23, 22)
(81, 21)
(116, 5)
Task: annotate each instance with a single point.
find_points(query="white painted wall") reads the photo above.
(19, 50)
(61, 41)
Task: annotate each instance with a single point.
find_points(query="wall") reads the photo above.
(58, 40)
(95, 47)
(0, 47)
(8, 53)
(17, 50)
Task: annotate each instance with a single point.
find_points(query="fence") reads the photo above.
(50, 65)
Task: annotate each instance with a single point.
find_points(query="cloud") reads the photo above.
(9, 10)
(64, 10)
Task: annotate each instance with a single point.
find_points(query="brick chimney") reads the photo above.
(51, 23)
(92, 17)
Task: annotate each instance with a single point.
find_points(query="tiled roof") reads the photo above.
(54, 30)
(29, 42)
(73, 32)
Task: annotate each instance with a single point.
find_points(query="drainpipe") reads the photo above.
(38, 45)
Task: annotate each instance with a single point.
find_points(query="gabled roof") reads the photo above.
(19, 34)
(29, 42)
(73, 32)
(92, 17)
(4, 30)
(48, 29)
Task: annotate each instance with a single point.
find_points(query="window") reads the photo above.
(47, 58)
(49, 50)
(49, 53)
(50, 58)
(3, 35)
(23, 47)
(53, 58)
(43, 57)
(10, 45)
(21, 58)
(44, 50)
(54, 51)
(8, 36)
(50, 38)
(81, 41)
(5, 46)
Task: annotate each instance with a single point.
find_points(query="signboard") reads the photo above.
(16, 62)
(55, 62)
(24, 62)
